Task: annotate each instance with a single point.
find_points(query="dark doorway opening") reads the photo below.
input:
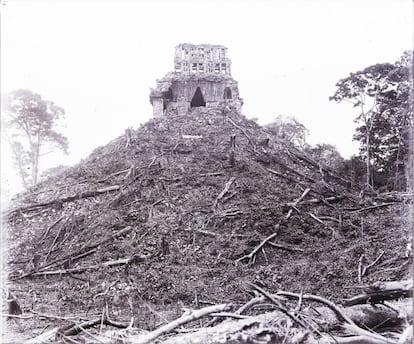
(227, 93)
(168, 97)
(198, 99)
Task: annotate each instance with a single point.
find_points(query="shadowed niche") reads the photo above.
(198, 99)
(227, 93)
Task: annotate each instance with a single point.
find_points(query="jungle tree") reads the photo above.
(31, 123)
(381, 95)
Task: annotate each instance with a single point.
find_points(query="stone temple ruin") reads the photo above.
(201, 77)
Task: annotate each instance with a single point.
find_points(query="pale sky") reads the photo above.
(98, 59)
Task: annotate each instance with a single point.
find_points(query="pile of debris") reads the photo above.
(191, 210)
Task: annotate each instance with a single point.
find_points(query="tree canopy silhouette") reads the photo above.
(381, 93)
(31, 123)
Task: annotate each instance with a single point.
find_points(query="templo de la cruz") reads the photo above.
(201, 77)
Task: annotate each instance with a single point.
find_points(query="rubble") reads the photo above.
(201, 78)
(203, 212)
(166, 220)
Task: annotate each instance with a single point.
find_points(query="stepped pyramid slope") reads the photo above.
(164, 215)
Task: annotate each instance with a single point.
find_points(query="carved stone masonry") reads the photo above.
(201, 78)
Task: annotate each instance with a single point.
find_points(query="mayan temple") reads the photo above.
(201, 77)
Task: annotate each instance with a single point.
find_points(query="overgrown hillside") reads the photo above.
(173, 214)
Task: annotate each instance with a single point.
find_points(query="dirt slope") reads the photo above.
(181, 206)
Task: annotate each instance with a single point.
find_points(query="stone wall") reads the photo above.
(202, 78)
(212, 91)
(157, 107)
(202, 58)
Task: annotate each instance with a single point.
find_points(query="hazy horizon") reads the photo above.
(98, 60)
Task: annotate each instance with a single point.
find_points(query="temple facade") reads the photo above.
(201, 77)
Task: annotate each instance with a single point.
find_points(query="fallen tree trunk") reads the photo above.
(295, 203)
(82, 252)
(315, 323)
(231, 331)
(44, 337)
(285, 247)
(255, 327)
(66, 199)
(372, 207)
(251, 257)
(292, 180)
(184, 319)
(287, 168)
(73, 329)
(82, 269)
(222, 193)
(332, 199)
(299, 155)
(382, 291)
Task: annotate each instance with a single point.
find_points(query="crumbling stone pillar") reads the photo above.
(182, 105)
(157, 107)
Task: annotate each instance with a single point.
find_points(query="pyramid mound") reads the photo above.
(170, 212)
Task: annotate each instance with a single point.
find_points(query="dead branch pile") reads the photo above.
(289, 318)
(188, 209)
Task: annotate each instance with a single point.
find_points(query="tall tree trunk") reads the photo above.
(35, 160)
(397, 162)
(368, 127)
(408, 164)
(368, 158)
(19, 161)
(36, 154)
(33, 166)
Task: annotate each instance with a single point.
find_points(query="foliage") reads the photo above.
(31, 122)
(326, 154)
(21, 161)
(381, 93)
(50, 172)
(288, 130)
(353, 169)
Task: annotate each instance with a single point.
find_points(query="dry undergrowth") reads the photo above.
(168, 216)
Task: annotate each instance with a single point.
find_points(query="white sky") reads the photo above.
(98, 59)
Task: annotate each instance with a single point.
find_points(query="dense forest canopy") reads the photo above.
(381, 95)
